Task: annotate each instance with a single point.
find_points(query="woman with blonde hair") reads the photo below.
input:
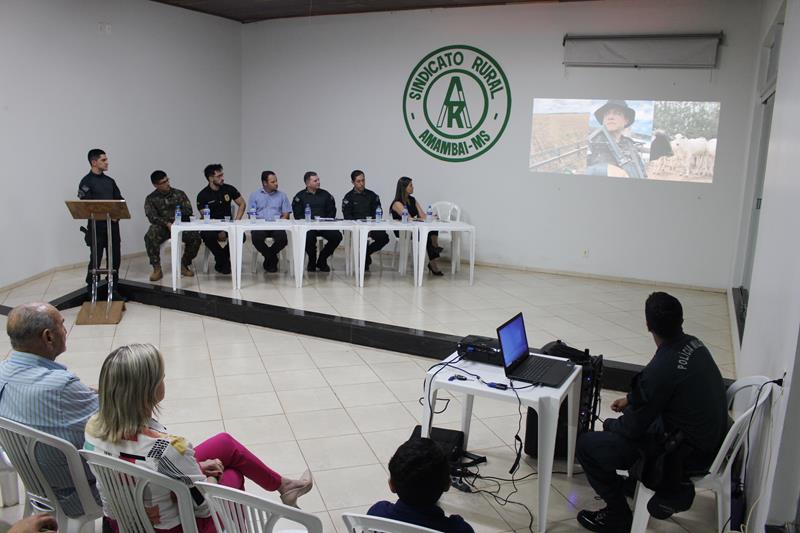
(131, 387)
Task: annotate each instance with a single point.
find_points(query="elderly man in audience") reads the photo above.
(37, 391)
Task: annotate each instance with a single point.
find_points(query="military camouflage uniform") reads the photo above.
(160, 210)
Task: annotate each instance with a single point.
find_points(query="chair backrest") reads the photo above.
(123, 485)
(25, 448)
(737, 432)
(236, 511)
(446, 211)
(361, 523)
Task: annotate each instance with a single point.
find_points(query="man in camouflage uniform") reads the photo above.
(159, 207)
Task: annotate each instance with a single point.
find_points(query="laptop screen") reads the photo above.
(513, 340)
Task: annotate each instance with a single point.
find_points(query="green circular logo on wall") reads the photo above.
(456, 103)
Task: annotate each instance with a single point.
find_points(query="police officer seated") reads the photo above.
(217, 196)
(322, 205)
(672, 425)
(359, 204)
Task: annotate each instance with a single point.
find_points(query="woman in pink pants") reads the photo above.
(131, 387)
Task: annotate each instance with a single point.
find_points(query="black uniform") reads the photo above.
(101, 187)
(360, 205)
(219, 202)
(322, 205)
(679, 391)
(413, 212)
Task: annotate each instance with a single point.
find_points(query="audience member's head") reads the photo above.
(419, 472)
(664, 315)
(131, 387)
(311, 179)
(37, 328)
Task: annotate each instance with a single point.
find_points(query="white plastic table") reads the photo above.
(243, 226)
(545, 400)
(364, 227)
(456, 229)
(301, 229)
(199, 225)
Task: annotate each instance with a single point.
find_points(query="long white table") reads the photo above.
(243, 226)
(364, 227)
(455, 229)
(545, 400)
(199, 225)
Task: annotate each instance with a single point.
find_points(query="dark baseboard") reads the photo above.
(617, 375)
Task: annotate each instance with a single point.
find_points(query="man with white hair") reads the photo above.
(37, 391)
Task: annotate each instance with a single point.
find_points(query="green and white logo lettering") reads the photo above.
(456, 103)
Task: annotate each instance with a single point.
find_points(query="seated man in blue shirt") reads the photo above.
(37, 391)
(270, 204)
(419, 474)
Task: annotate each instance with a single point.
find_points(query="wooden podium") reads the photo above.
(94, 211)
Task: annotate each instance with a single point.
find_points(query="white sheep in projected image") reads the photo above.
(697, 155)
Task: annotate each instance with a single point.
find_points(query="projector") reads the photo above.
(481, 349)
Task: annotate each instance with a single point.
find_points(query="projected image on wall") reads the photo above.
(647, 139)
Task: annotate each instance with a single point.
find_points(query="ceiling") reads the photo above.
(254, 10)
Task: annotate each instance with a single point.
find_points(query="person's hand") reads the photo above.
(212, 467)
(619, 404)
(223, 236)
(35, 524)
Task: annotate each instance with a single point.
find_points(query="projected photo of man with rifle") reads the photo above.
(645, 139)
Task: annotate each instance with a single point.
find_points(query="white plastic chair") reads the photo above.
(361, 523)
(236, 511)
(21, 443)
(448, 211)
(283, 257)
(718, 478)
(9, 490)
(123, 485)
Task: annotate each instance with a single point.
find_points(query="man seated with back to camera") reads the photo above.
(673, 421)
(419, 474)
(359, 204)
(322, 204)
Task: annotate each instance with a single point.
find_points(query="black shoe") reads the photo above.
(223, 269)
(605, 521)
(312, 267)
(435, 272)
(438, 249)
(265, 264)
(322, 266)
(629, 487)
(662, 506)
(271, 268)
(367, 263)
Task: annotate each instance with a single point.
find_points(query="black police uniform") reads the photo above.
(101, 187)
(322, 205)
(679, 391)
(219, 203)
(360, 205)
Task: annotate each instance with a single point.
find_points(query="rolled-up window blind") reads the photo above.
(654, 51)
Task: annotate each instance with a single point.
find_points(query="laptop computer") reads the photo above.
(521, 365)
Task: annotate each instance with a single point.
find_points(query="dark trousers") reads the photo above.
(379, 240)
(270, 253)
(602, 453)
(102, 248)
(222, 256)
(332, 240)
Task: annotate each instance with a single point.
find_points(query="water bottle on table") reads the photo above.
(378, 214)
(404, 215)
(206, 214)
(429, 214)
(307, 213)
(178, 214)
(251, 214)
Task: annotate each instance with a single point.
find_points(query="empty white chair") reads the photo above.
(361, 523)
(24, 445)
(123, 486)
(718, 478)
(236, 511)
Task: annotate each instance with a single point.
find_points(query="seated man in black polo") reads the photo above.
(217, 195)
(361, 203)
(322, 205)
(675, 418)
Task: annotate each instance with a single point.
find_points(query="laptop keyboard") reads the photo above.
(534, 369)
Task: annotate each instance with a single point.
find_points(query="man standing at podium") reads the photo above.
(96, 185)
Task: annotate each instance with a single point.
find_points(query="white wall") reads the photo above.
(770, 344)
(326, 94)
(160, 89)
